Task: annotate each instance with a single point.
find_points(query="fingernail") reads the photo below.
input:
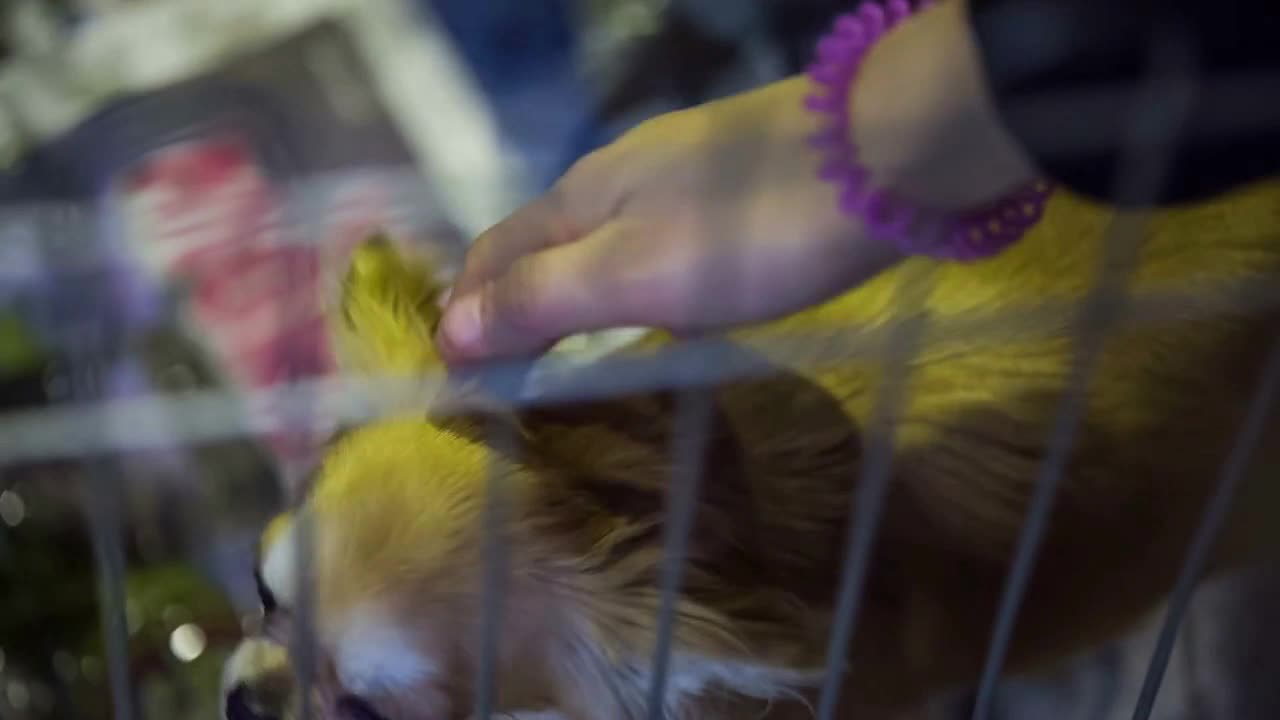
(461, 324)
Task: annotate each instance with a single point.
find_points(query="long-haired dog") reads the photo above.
(397, 512)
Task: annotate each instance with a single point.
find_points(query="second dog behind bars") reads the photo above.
(398, 508)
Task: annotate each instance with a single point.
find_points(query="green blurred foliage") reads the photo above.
(50, 624)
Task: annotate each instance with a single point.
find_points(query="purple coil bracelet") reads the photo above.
(969, 235)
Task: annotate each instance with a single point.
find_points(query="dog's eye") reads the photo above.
(264, 594)
(351, 707)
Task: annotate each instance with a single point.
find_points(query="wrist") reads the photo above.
(922, 118)
(929, 136)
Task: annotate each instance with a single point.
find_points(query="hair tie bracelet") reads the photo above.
(967, 235)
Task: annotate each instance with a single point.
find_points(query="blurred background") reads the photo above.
(179, 180)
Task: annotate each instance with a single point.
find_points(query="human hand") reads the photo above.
(699, 219)
(715, 216)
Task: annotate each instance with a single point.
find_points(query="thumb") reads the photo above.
(539, 299)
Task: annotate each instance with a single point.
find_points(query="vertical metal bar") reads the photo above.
(691, 430)
(102, 509)
(1215, 515)
(1192, 698)
(497, 498)
(874, 480)
(1159, 109)
(297, 428)
(101, 498)
(85, 329)
(303, 643)
(1121, 257)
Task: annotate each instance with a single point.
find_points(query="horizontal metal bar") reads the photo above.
(156, 420)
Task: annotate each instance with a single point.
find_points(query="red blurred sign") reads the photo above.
(205, 215)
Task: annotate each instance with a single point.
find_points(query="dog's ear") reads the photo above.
(385, 324)
(387, 312)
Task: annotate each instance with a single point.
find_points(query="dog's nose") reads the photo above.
(239, 707)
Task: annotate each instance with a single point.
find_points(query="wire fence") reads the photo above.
(95, 429)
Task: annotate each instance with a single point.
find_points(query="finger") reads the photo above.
(583, 199)
(539, 299)
(538, 225)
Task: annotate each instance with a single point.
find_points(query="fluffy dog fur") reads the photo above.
(398, 507)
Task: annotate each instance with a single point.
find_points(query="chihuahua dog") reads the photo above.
(397, 517)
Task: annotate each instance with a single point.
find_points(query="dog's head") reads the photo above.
(375, 581)
(380, 593)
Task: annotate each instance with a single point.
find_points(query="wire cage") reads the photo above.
(116, 398)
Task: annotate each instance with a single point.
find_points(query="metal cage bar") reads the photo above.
(208, 415)
(875, 478)
(89, 363)
(303, 650)
(298, 422)
(1094, 323)
(693, 420)
(496, 552)
(105, 527)
(1215, 516)
(1158, 111)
